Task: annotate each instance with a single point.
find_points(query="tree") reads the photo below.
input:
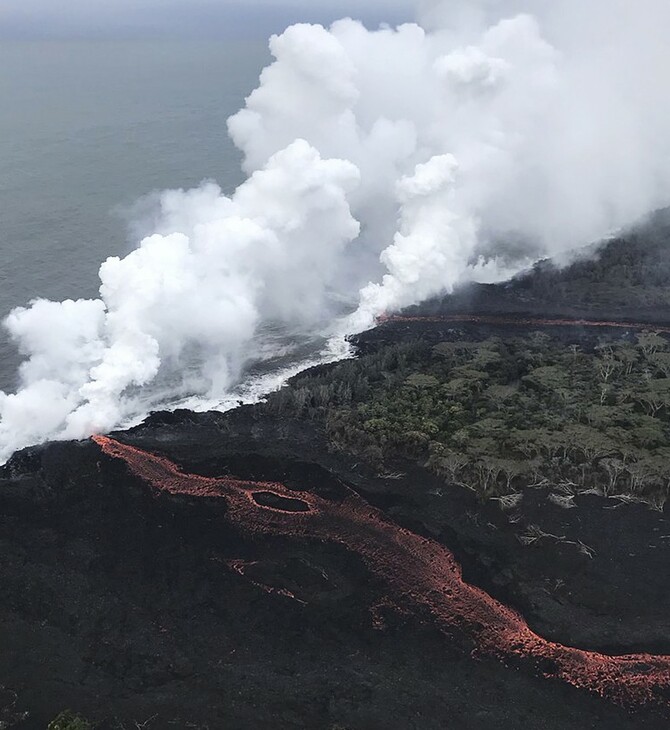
(650, 343)
(627, 356)
(655, 396)
(511, 469)
(639, 473)
(419, 380)
(455, 351)
(413, 443)
(68, 720)
(614, 468)
(447, 462)
(647, 431)
(500, 395)
(575, 350)
(601, 416)
(661, 361)
(550, 378)
(591, 443)
(487, 471)
(606, 364)
(527, 442)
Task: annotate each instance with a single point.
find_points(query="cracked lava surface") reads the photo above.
(418, 573)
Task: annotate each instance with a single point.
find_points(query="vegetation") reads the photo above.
(68, 720)
(499, 415)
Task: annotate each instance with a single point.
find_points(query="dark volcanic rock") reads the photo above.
(141, 609)
(622, 278)
(121, 603)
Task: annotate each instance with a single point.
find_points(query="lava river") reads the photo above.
(521, 321)
(419, 574)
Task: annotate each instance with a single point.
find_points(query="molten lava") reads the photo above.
(419, 573)
(520, 321)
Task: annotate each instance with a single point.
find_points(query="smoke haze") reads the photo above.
(384, 167)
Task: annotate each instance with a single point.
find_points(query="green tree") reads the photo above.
(68, 720)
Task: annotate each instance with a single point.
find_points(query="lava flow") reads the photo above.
(520, 321)
(419, 573)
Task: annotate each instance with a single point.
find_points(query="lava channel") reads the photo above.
(417, 571)
(520, 321)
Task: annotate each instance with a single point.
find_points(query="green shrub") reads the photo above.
(67, 720)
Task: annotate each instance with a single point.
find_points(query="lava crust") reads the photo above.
(419, 574)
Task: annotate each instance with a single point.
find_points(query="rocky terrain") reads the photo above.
(140, 596)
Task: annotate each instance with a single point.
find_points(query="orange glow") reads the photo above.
(419, 573)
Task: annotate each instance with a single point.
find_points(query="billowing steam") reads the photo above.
(384, 167)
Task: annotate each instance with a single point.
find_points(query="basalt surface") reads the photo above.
(229, 570)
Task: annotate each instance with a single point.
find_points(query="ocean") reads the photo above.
(88, 128)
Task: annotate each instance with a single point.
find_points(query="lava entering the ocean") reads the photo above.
(417, 571)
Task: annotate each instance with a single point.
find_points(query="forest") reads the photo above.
(503, 414)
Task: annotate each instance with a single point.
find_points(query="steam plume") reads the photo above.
(384, 167)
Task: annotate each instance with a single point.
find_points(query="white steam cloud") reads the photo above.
(384, 167)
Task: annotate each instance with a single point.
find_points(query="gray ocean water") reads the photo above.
(87, 128)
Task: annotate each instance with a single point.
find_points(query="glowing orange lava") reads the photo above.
(521, 321)
(418, 573)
